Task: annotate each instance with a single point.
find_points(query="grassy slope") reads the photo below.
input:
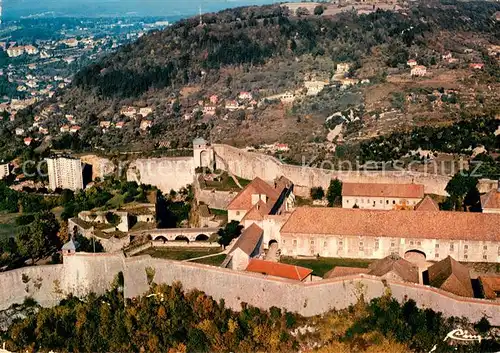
(322, 265)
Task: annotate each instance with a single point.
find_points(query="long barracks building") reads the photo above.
(374, 234)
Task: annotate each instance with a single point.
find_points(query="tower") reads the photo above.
(203, 153)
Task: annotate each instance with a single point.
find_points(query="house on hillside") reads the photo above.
(476, 66)
(411, 63)
(245, 96)
(419, 70)
(214, 99)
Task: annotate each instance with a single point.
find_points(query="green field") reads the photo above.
(180, 253)
(213, 260)
(322, 265)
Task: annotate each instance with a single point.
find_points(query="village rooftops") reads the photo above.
(342, 271)
(383, 190)
(404, 269)
(277, 269)
(396, 224)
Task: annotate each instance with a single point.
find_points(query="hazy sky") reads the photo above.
(15, 8)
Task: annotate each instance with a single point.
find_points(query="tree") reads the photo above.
(318, 10)
(229, 232)
(38, 238)
(334, 192)
(317, 193)
(459, 186)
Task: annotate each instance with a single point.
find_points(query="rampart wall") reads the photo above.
(213, 198)
(249, 165)
(83, 273)
(164, 173)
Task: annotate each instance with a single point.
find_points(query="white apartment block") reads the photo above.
(65, 173)
(4, 170)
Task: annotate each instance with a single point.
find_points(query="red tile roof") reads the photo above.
(490, 286)
(396, 224)
(341, 271)
(243, 201)
(249, 239)
(427, 204)
(277, 269)
(451, 276)
(257, 212)
(491, 200)
(383, 190)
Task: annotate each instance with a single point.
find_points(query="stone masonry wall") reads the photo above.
(84, 273)
(164, 173)
(249, 165)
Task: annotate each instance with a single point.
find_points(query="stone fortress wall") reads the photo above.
(83, 273)
(165, 173)
(176, 172)
(249, 165)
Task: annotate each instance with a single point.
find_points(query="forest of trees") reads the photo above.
(171, 320)
(460, 137)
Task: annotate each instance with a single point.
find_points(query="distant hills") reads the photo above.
(175, 9)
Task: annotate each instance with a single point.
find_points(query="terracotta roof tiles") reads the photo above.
(341, 271)
(395, 224)
(383, 190)
(427, 204)
(490, 286)
(277, 269)
(243, 201)
(249, 239)
(451, 276)
(491, 200)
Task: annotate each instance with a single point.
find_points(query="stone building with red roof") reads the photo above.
(375, 196)
(375, 234)
(490, 202)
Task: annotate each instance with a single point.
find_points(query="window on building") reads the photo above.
(341, 243)
(294, 241)
(436, 255)
(360, 243)
(393, 202)
(347, 201)
(411, 242)
(452, 247)
(437, 246)
(466, 257)
(485, 257)
(485, 247)
(361, 248)
(381, 202)
(237, 213)
(283, 241)
(376, 245)
(387, 202)
(325, 244)
(419, 243)
(393, 244)
(466, 246)
(312, 242)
